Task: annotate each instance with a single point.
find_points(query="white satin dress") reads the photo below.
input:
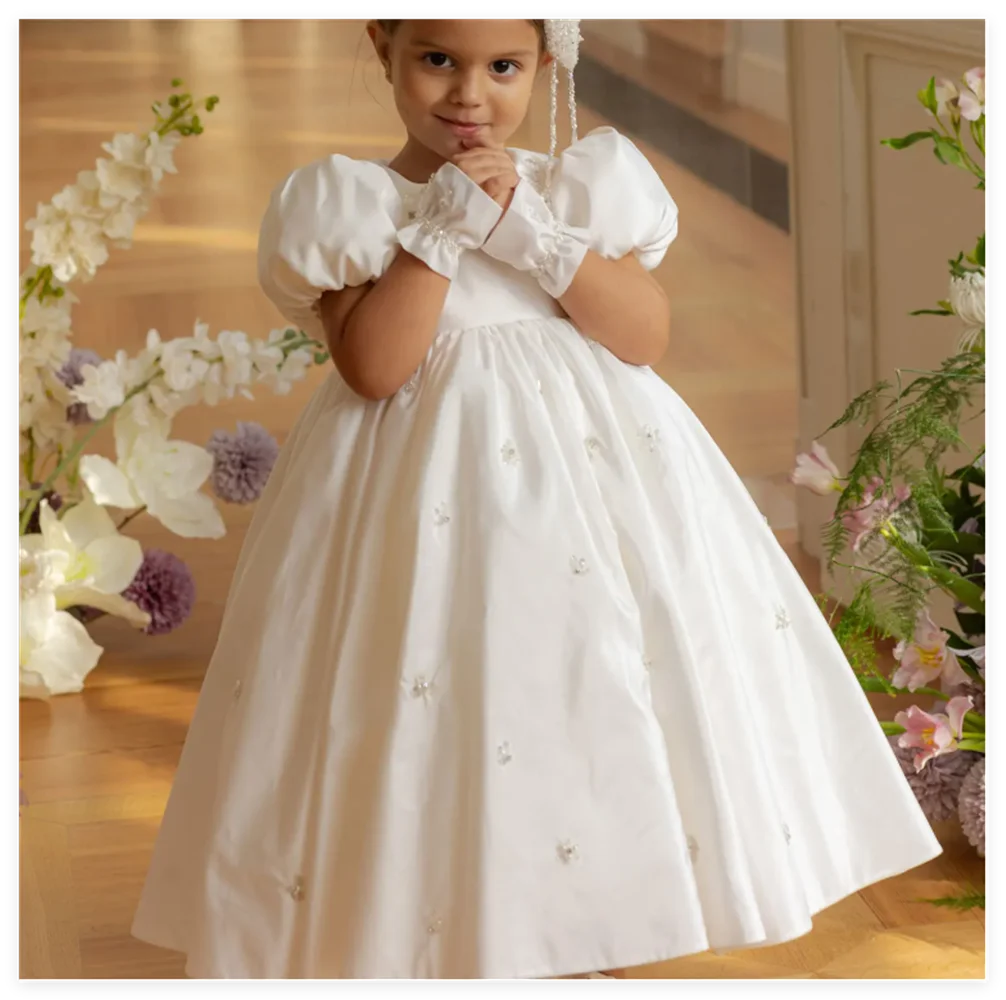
(514, 680)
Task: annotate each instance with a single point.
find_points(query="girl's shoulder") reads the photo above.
(337, 185)
(598, 159)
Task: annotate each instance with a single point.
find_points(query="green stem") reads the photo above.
(30, 458)
(74, 453)
(129, 517)
(877, 572)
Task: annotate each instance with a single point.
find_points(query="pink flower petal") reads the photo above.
(971, 107)
(975, 79)
(956, 709)
(820, 454)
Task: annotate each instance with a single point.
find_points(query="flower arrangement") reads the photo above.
(916, 527)
(75, 562)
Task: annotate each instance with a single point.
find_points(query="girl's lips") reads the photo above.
(462, 128)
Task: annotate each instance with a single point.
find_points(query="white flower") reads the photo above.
(104, 386)
(183, 368)
(946, 96)
(294, 368)
(41, 569)
(159, 154)
(126, 175)
(71, 245)
(51, 315)
(267, 356)
(120, 222)
(87, 561)
(153, 472)
(127, 148)
(967, 299)
(236, 358)
(55, 652)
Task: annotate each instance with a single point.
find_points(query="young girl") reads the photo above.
(514, 680)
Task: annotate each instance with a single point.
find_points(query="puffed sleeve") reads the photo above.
(329, 225)
(606, 194)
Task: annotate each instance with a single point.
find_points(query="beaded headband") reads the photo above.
(562, 40)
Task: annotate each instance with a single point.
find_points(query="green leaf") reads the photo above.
(176, 82)
(927, 96)
(320, 358)
(974, 722)
(891, 728)
(931, 312)
(878, 685)
(909, 140)
(212, 102)
(963, 543)
(948, 152)
(979, 255)
(969, 900)
(974, 744)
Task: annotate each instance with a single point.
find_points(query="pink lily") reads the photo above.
(926, 657)
(816, 471)
(874, 509)
(933, 734)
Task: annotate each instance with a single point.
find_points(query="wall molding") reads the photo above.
(760, 84)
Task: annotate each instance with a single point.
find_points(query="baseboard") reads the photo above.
(761, 84)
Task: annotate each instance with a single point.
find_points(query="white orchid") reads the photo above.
(55, 652)
(162, 475)
(87, 562)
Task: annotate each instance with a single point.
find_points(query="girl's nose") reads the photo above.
(469, 90)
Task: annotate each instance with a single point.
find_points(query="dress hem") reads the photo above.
(151, 936)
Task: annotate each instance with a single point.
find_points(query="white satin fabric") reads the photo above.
(513, 680)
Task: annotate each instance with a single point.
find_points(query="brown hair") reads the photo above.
(391, 26)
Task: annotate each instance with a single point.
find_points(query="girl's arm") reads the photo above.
(379, 333)
(621, 305)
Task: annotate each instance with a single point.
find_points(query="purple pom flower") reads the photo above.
(70, 375)
(55, 502)
(242, 462)
(971, 806)
(164, 588)
(938, 785)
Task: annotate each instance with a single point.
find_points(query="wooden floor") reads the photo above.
(98, 766)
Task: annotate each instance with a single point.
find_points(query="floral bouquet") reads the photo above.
(76, 563)
(915, 526)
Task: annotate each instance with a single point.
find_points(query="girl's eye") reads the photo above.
(437, 59)
(504, 67)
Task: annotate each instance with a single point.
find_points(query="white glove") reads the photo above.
(530, 238)
(454, 214)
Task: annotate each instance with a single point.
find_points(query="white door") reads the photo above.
(873, 227)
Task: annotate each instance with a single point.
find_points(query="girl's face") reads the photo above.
(460, 83)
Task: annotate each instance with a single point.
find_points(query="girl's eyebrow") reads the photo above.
(518, 54)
